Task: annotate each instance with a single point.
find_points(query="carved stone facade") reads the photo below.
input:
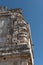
(15, 38)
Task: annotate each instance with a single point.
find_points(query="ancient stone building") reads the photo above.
(15, 38)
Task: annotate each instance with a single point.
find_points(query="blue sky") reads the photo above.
(33, 12)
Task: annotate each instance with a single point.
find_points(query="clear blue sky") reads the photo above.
(33, 12)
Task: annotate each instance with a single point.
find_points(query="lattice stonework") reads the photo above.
(15, 38)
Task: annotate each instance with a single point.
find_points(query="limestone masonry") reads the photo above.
(15, 38)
